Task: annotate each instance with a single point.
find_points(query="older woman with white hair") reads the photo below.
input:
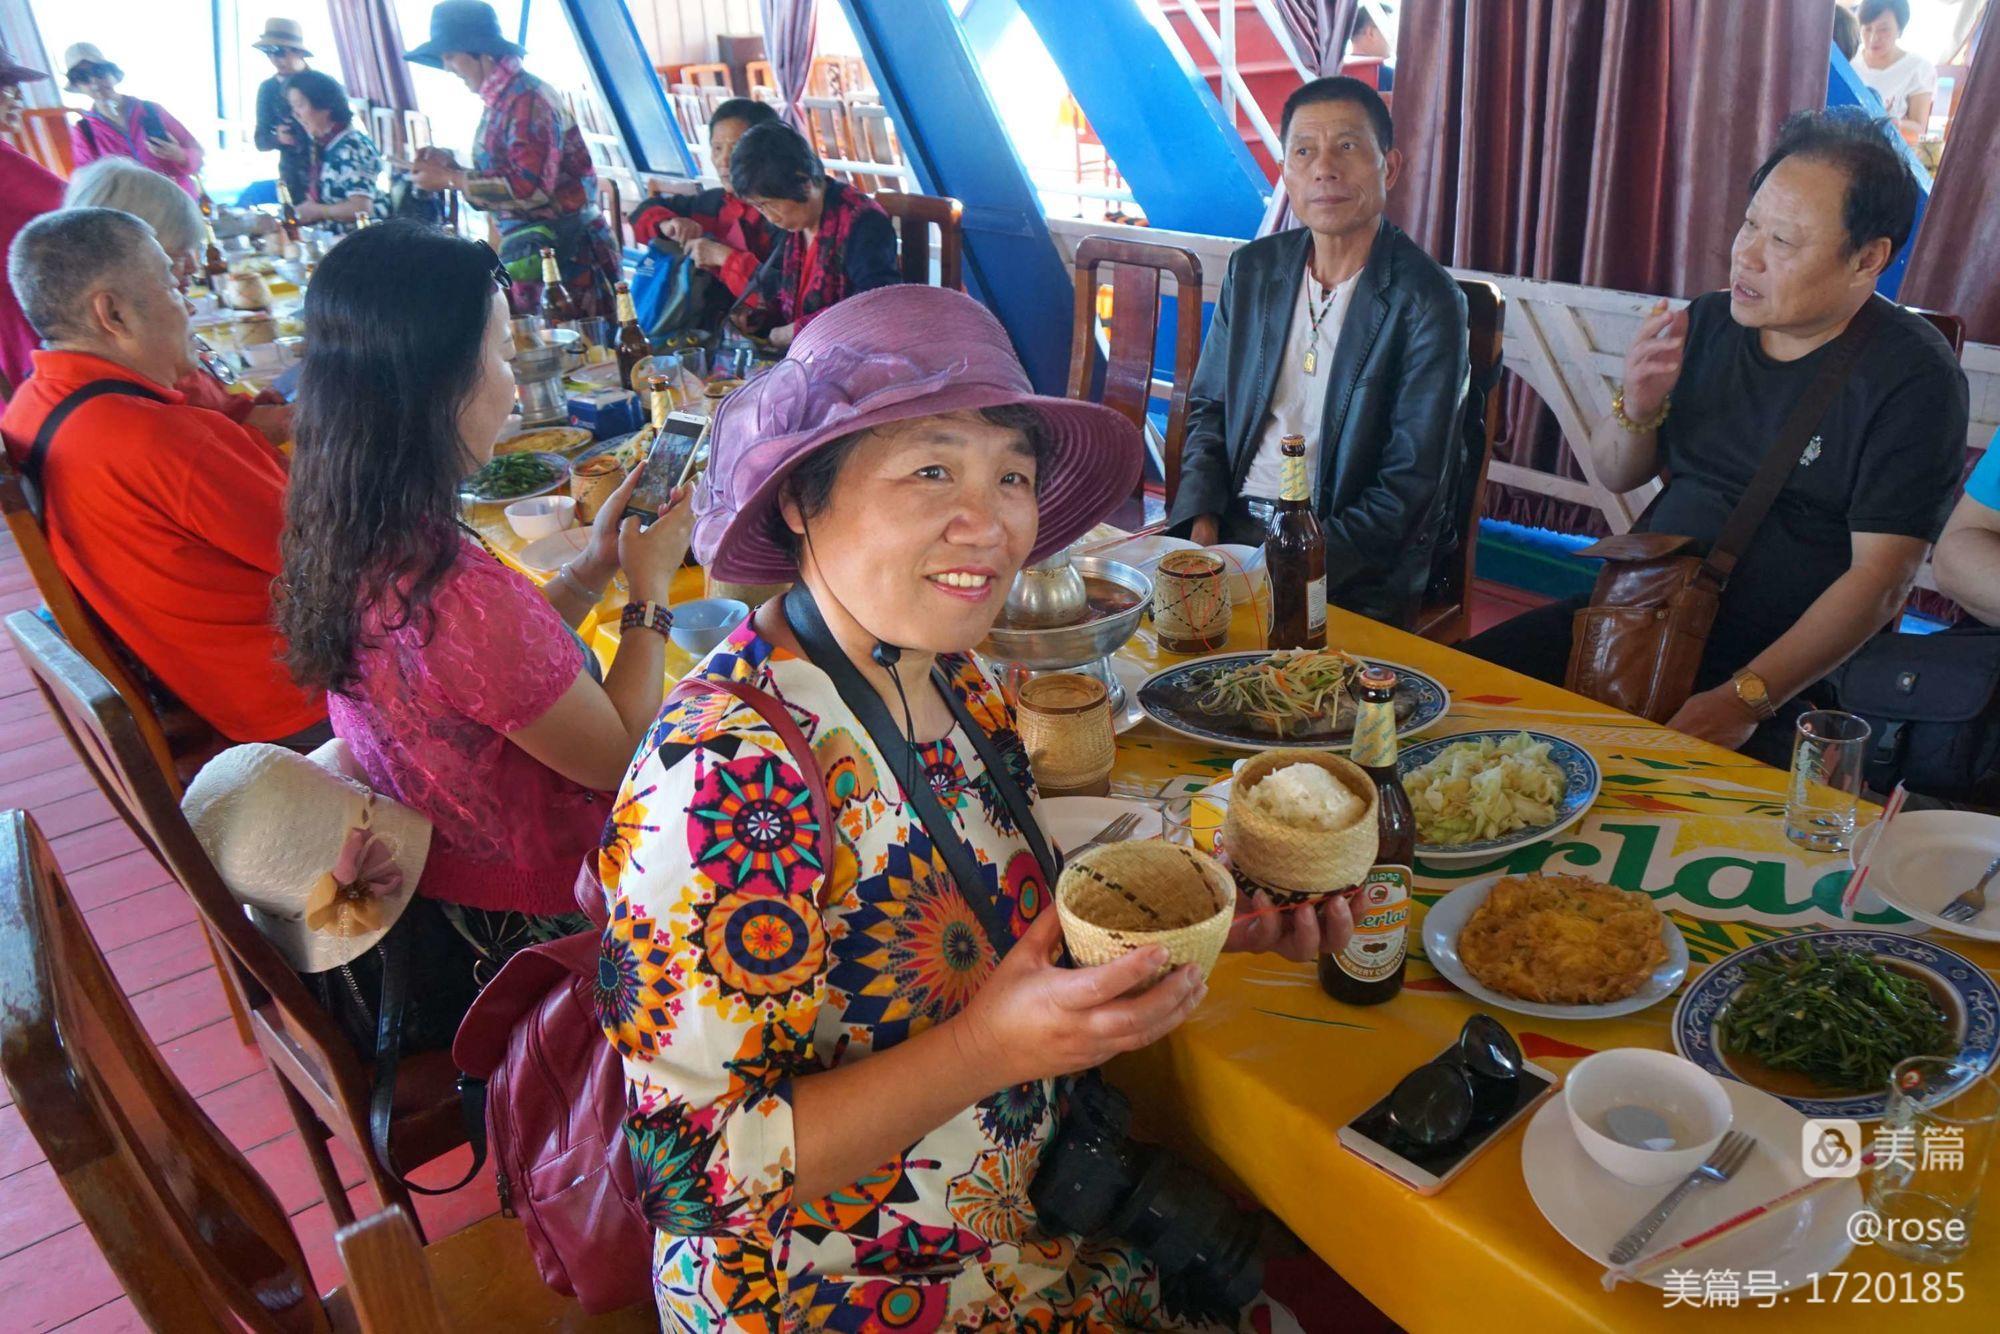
(121, 183)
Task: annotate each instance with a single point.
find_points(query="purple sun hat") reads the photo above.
(878, 357)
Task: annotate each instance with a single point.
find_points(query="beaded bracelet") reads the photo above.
(1639, 428)
(647, 616)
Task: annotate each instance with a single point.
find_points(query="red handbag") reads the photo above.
(555, 1089)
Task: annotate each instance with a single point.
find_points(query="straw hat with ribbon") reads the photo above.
(281, 35)
(82, 61)
(324, 866)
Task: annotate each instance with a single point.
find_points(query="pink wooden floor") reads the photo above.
(51, 1273)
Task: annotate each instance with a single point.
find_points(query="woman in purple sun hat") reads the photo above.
(845, 1041)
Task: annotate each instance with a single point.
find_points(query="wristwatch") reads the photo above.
(647, 616)
(1756, 696)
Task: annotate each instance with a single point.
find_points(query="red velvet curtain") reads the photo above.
(371, 52)
(1603, 142)
(1951, 268)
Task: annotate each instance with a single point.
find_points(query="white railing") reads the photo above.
(1232, 79)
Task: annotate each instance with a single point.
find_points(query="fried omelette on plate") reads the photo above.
(1562, 940)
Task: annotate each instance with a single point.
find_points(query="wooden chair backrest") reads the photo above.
(416, 131)
(388, 1279)
(102, 729)
(915, 216)
(195, 1236)
(1132, 334)
(612, 205)
(1485, 323)
(81, 628)
(759, 75)
(45, 131)
(710, 75)
(1951, 326)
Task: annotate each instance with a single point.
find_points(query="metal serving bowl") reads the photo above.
(1074, 645)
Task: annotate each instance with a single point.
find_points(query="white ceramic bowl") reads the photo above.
(705, 622)
(541, 516)
(1246, 569)
(1688, 1098)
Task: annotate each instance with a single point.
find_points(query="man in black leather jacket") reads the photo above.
(1346, 332)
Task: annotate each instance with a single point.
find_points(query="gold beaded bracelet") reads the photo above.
(1639, 428)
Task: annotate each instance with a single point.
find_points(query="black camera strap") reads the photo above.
(824, 652)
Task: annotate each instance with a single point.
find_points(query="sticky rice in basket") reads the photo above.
(1301, 823)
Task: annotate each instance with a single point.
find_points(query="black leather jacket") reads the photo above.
(1389, 444)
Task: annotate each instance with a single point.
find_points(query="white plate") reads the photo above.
(1071, 822)
(1449, 915)
(1593, 1209)
(546, 555)
(1930, 859)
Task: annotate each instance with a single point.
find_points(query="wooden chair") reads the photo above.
(385, 127)
(471, 1280)
(1951, 326)
(326, 1083)
(714, 75)
(612, 205)
(1131, 334)
(197, 1239)
(1445, 615)
(915, 216)
(178, 741)
(759, 77)
(45, 138)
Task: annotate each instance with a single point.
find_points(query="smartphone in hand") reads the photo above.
(660, 474)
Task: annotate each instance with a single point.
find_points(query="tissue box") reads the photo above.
(607, 412)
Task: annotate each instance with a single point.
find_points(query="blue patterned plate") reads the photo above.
(1581, 781)
(1971, 1004)
(1169, 699)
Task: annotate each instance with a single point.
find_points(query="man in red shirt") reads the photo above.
(165, 517)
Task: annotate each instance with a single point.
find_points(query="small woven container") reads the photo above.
(1119, 897)
(1290, 861)
(1191, 606)
(592, 482)
(1065, 722)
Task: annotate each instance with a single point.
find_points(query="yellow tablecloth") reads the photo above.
(1266, 1072)
(1259, 1081)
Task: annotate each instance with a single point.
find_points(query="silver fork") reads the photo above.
(1973, 901)
(1115, 832)
(1729, 1156)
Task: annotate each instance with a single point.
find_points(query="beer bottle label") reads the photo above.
(1381, 925)
(1374, 744)
(1316, 608)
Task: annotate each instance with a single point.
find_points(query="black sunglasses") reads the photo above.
(499, 270)
(1469, 1086)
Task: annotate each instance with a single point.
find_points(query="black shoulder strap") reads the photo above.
(38, 452)
(389, 1052)
(1791, 440)
(825, 653)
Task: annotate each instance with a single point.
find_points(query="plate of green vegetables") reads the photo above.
(509, 477)
(1819, 1019)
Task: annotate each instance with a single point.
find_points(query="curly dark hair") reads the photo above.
(395, 321)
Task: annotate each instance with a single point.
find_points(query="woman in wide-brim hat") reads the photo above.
(795, 1011)
(278, 131)
(27, 190)
(118, 125)
(530, 168)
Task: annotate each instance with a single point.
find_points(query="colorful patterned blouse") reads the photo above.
(852, 250)
(346, 165)
(736, 962)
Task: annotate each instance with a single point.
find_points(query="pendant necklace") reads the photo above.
(1317, 310)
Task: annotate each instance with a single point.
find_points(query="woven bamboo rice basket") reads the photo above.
(1120, 897)
(1294, 860)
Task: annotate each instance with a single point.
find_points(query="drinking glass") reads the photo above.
(1827, 757)
(1931, 1150)
(1194, 819)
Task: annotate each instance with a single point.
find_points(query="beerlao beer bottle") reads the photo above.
(632, 345)
(1369, 970)
(212, 262)
(288, 213)
(1295, 558)
(559, 308)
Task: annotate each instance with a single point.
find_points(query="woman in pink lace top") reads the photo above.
(461, 688)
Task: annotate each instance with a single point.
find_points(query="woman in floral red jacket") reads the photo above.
(837, 240)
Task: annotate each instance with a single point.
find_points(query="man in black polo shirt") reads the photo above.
(1706, 390)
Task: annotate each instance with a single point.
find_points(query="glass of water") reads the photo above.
(1931, 1151)
(1827, 757)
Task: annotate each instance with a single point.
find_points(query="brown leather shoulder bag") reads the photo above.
(1639, 643)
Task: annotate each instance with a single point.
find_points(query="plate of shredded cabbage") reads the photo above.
(1478, 795)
